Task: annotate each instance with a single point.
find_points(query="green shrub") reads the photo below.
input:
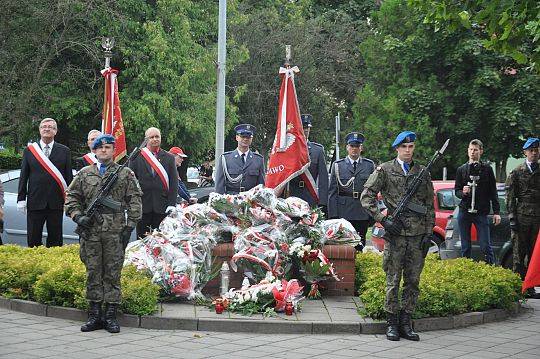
(10, 160)
(446, 287)
(56, 276)
(139, 295)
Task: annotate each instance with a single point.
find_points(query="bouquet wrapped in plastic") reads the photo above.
(340, 231)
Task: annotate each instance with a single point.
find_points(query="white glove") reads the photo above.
(170, 209)
(193, 200)
(21, 206)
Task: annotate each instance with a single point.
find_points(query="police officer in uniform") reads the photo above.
(317, 168)
(103, 244)
(347, 179)
(523, 203)
(242, 169)
(403, 255)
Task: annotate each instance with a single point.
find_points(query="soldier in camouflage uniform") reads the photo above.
(103, 244)
(403, 255)
(523, 204)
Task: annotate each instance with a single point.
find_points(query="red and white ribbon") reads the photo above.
(90, 158)
(156, 165)
(49, 167)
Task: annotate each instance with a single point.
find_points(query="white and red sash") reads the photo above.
(156, 165)
(90, 158)
(49, 167)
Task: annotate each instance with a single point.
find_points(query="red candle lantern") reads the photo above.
(219, 306)
(289, 308)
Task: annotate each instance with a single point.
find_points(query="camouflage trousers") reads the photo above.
(402, 259)
(523, 241)
(103, 257)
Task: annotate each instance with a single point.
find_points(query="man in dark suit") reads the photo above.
(317, 168)
(90, 157)
(45, 175)
(156, 171)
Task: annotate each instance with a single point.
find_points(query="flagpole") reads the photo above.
(287, 65)
(220, 102)
(338, 125)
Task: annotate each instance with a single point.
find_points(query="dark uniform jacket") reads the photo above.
(486, 191)
(523, 194)
(155, 197)
(390, 180)
(344, 201)
(36, 186)
(80, 162)
(241, 177)
(317, 168)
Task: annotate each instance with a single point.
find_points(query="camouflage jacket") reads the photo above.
(523, 192)
(392, 183)
(87, 183)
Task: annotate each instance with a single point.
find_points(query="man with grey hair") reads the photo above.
(156, 171)
(90, 157)
(45, 175)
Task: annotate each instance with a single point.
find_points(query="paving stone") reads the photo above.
(370, 326)
(439, 323)
(495, 315)
(336, 327)
(5, 303)
(152, 322)
(67, 313)
(257, 326)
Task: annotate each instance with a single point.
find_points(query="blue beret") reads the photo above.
(306, 120)
(532, 142)
(245, 129)
(354, 138)
(102, 140)
(404, 137)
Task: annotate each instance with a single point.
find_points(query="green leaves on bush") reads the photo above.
(446, 287)
(56, 276)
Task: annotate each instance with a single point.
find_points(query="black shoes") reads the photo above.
(94, 318)
(405, 327)
(392, 331)
(111, 324)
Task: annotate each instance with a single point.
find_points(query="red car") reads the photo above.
(444, 201)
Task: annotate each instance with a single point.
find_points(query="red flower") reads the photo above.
(156, 251)
(181, 285)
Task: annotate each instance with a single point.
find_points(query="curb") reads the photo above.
(363, 326)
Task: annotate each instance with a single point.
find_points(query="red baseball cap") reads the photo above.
(177, 151)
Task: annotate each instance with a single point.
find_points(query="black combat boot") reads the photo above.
(405, 327)
(111, 324)
(94, 318)
(392, 331)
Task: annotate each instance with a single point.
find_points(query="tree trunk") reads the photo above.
(500, 174)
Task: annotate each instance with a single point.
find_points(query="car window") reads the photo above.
(447, 199)
(11, 186)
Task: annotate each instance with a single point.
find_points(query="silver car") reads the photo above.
(15, 221)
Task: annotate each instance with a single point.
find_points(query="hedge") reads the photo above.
(446, 287)
(9, 160)
(56, 276)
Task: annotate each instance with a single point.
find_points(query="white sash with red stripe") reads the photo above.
(48, 166)
(90, 158)
(156, 165)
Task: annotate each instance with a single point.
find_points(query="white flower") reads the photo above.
(247, 297)
(307, 248)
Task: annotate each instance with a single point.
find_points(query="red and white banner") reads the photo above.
(289, 157)
(112, 123)
(532, 279)
(49, 167)
(156, 165)
(90, 158)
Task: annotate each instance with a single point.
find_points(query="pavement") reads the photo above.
(31, 336)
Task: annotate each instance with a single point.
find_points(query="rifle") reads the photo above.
(102, 198)
(405, 201)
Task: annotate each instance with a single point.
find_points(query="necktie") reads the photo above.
(102, 169)
(244, 158)
(534, 166)
(406, 167)
(47, 151)
(354, 166)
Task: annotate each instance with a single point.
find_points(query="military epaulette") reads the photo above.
(340, 160)
(367, 159)
(316, 144)
(257, 154)
(228, 152)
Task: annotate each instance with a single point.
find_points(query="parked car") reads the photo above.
(444, 202)
(500, 236)
(15, 221)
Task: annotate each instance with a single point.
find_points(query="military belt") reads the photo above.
(355, 195)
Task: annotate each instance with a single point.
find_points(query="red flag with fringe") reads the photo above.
(289, 157)
(112, 123)
(532, 279)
